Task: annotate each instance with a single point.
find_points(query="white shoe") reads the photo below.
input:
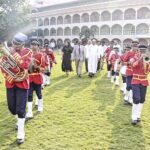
(36, 101)
(124, 87)
(117, 81)
(134, 112)
(140, 107)
(126, 97)
(21, 132)
(47, 80)
(131, 97)
(40, 105)
(29, 113)
(112, 79)
(108, 74)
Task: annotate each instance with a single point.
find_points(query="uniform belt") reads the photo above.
(34, 73)
(139, 77)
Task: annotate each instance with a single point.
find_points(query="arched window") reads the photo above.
(117, 15)
(59, 32)
(40, 32)
(41, 42)
(105, 30)
(46, 32)
(84, 28)
(129, 29)
(76, 31)
(67, 19)
(94, 17)
(130, 14)
(85, 17)
(142, 29)
(40, 22)
(143, 13)
(60, 20)
(67, 31)
(95, 30)
(46, 21)
(53, 21)
(52, 32)
(76, 18)
(116, 30)
(105, 16)
(127, 42)
(46, 41)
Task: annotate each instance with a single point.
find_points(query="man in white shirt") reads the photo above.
(118, 46)
(92, 56)
(86, 48)
(102, 49)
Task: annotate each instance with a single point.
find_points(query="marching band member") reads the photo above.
(50, 57)
(107, 53)
(129, 55)
(35, 78)
(114, 61)
(141, 69)
(17, 89)
(123, 70)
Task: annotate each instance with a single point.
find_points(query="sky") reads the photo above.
(50, 2)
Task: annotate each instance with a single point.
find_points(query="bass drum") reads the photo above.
(123, 70)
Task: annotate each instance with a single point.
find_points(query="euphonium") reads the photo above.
(9, 65)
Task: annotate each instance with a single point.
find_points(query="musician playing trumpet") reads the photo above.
(14, 65)
(123, 68)
(35, 78)
(141, 68)
(129, 72)
(113, 60)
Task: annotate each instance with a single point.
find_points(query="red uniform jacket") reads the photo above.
(107, 53)
(23, 59)
(113, 59)
(128, 56)
(140, 71)
(36, 75)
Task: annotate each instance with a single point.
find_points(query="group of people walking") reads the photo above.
(132, 63)
(91, 54)
(28, 70)
(25, 71)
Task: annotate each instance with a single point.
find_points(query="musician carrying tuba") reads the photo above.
(14, 64)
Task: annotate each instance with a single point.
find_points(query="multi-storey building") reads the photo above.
(123, 20)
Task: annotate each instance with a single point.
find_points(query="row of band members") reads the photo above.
(20, 89)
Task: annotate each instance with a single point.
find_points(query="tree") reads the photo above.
(86, 34)
(13, 16)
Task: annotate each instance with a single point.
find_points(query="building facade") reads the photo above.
(122, 20)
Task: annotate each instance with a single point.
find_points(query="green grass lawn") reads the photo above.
(79, 114)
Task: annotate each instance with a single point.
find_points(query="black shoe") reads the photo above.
(127, 103)
(134, 122)
(138, 120)
(79, 76)
(36, 106)
(16, 128)
(20, 141)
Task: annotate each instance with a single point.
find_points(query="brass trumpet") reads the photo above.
(146, 58)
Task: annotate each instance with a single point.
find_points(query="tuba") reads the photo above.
(9, 65)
